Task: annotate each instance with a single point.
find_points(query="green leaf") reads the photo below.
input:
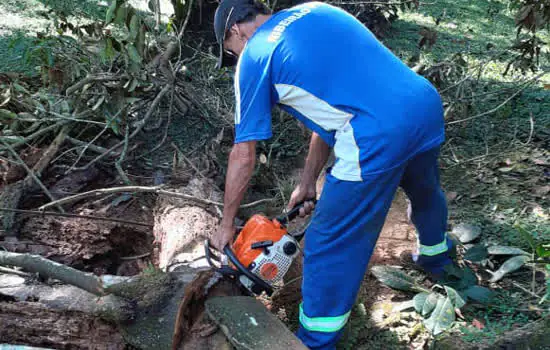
(151, 5)
(509, 265)
(456, 299)
(526, 236)
(543, 250)
(140, 41)
(419, 301)
(430, 303)
(480, 294)
(466, 232)
(134, 27)
(442, 318)
(424, 303)
(109, 53)
(133, 85)
(504, 250)
(395, 278)
(131, 13)
(121, 14)
(458, 278)
(111, 12)
(476, 253)
(133, 53)
(5, 114)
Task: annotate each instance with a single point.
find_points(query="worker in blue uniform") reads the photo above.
(383, 121)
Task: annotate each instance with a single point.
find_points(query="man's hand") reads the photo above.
(222, 237)
(303, 192)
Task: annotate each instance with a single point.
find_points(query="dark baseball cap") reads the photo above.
(227, 14)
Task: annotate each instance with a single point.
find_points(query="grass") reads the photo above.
(489, 192)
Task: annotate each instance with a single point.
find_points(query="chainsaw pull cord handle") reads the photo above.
(242, 269)
(293, 213)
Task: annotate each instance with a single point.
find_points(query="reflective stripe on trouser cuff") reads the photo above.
(431, 250)
(323, 324)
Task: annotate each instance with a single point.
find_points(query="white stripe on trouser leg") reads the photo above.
(323, 324)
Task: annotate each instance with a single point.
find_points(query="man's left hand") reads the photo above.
(222, 237)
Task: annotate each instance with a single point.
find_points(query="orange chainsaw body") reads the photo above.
(257, 229)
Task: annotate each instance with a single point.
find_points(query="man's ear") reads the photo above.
(237, 31)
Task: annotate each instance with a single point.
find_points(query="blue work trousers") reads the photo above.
(344, 229)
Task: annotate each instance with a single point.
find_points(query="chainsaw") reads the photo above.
(261, 254)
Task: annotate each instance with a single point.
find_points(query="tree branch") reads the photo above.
(35, 263)
(157, 190)
(69, 215)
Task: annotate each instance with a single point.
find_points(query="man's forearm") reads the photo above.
(316, 159)
(239, 171)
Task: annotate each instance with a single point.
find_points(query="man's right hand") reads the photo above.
(301, 193)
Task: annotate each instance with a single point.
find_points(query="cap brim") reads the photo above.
(225, 60)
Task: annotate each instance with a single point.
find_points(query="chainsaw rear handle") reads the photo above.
(284, 219)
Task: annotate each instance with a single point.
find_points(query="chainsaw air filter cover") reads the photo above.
(264, 247)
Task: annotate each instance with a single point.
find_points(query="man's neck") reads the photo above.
(260, 19)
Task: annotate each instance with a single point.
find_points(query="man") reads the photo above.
(384, 121)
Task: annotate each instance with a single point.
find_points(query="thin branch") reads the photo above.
(135, 257)
(13, 272)
(525, 86)
(38, 133)
(145, 189)
(69, 215)
(118, 163)
(32, 174)
(92, 78)
(519, 286)
(92, 147)
(532, 123)
(184, 26)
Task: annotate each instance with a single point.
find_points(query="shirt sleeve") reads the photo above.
(253, 100)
